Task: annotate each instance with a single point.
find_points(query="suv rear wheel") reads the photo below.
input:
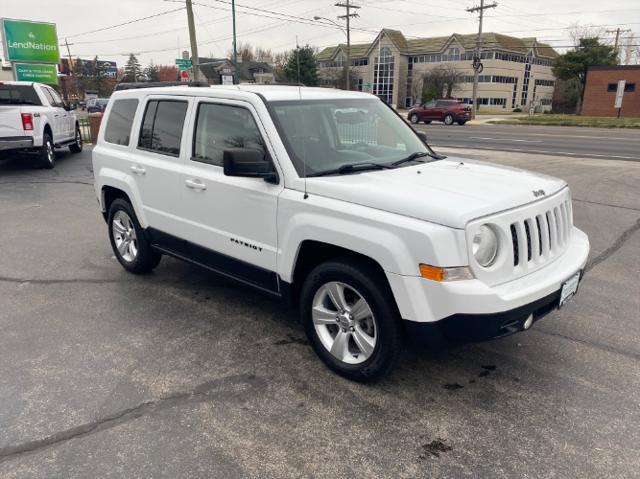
(128, 241)
(47, 154)
(351, 319)
(448, 119)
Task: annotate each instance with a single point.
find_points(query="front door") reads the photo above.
(229, 222)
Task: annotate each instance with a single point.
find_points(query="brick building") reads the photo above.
(517, 71)
(601, 86)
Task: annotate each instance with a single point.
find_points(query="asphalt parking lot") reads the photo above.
(183, 374)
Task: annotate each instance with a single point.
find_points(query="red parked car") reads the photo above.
(446, 111)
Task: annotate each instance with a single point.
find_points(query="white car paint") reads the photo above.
(399, 218)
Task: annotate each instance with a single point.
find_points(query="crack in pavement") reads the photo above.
(606, 204)
(617, 244)
(593, 344)
(8, 279)
(53, 182)
(237, 385)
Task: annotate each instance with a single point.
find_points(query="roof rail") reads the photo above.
(155, 84)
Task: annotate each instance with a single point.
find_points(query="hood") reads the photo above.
(449, 192)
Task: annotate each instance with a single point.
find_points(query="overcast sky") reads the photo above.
(162, 38)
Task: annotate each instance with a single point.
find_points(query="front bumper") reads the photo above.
(424, 301)
(16, 143)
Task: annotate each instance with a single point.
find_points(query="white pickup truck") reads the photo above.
(34, 118)
(330, 200)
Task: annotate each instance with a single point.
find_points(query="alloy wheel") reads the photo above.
(344, 322)
(124, 236)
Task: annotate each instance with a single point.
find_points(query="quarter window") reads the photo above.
(220, 127)
(118, 129)
(162, 126)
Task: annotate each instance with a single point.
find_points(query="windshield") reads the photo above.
(330, 134)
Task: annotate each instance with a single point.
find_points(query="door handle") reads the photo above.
(195, 185)
(138, 170)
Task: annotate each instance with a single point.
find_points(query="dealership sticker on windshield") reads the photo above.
(569, 288)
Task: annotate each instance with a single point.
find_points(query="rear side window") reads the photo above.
(118, 129)
(18, 95)
(162, 126)
(220, 127)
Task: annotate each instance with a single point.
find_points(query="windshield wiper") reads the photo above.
(416, 155)
(352, 167)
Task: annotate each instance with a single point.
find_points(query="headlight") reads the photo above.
(485, 246)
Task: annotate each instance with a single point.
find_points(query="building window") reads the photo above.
(383, 75)
(545, 83)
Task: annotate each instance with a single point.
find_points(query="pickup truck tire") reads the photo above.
(351, 319)
(128, 240)
(47, 153)
(76, 146)
(448, 119)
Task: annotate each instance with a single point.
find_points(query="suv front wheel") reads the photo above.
(128, 241)
(351, 319)
(448, 119)
(414, 118)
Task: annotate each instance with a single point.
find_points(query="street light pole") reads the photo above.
(192, 40)
(477, 65)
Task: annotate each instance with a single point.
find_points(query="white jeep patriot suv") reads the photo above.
(329, 199)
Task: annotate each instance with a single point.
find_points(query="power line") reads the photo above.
(135, 20)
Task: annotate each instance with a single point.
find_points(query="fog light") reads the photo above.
(527, 322)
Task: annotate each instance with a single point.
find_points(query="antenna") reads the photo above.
(304, 151)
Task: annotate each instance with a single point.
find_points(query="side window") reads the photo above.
(219, 127)
(431, 104)
(162, 126)
(56, 98)
(49, 96)
(118, 129)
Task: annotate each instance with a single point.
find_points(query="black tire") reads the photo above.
(146, 258)
(76, 146)
(414, 118)
(372, 286)
(448, 119)
(462, 122)
(47, 153)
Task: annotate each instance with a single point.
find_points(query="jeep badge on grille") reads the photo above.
(538, 193)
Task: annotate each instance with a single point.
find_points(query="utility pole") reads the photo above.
(628, 51)
(194, 44)
(617, 31)
(235, 44)
(64, 83)
(477, 64)
(348, 6)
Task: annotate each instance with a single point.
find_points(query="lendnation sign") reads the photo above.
(37, 73)
(26, 41)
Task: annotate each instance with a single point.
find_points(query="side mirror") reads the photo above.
(247, 162)
(423, 136)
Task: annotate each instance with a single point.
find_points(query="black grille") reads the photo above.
(526, 230)
(514, 239)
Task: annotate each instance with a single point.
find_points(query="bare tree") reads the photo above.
(440, 81)
(577, 32)
(245, 52)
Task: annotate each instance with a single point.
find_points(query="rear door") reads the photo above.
(157, 158)
(57, 116)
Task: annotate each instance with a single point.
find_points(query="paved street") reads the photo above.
(606, 143)
(183, 374)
